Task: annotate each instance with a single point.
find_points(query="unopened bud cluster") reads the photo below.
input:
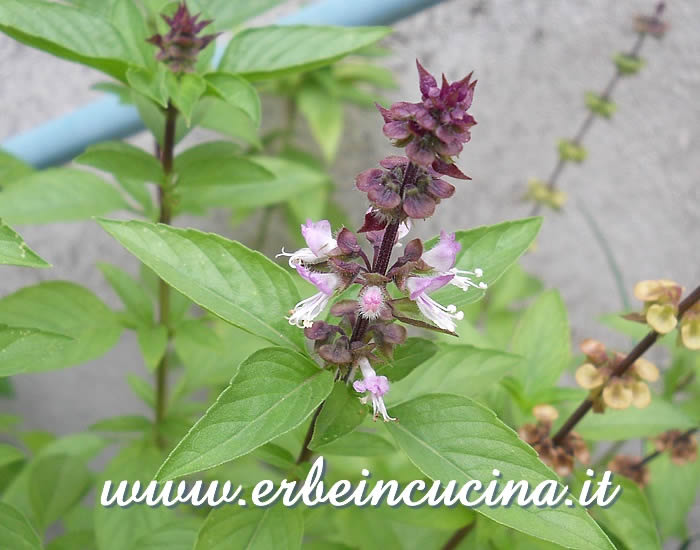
(616, 392)
(180, 46)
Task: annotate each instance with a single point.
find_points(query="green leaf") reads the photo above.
(270, 52)
(227, 14)
(153, 341)
(142, 389)
(184, 91)
(150, 82)
(8, 422)
(212, 178)
(77, 540)
(357, 443)
(450, 437)
(119, 528)
(409, 355)
(123, 160)
(253, 410)
(211, 354)
(153, 116)
(15, 530)
(131, 293)
(237, 284)
(493, 248)
(218, 115)
(672, 492)
(82, 445)
(12, 169)
(127, 423)
(290, 179)
(237, 92)
(234, 528)
(629, 518)
(633, 423)
(59, 194)
(516, 285)
(56, 484)
(459, 369)
(340, 414)
(59, 307)
(324, 113)
(365, 72)
(66, 32)
(126, 16)
(542, 339)
(26, 350)
(180, 535)
(9, 455)
(14, 251)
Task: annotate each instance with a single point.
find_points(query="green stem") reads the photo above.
(609, 256)
(165, 216)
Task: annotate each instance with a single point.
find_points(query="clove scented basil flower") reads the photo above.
(390, 295)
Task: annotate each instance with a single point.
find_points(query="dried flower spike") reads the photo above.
(560, 458)
(630, 467)
(661, 298)
(180, 47)
(690, 328)
(683, 446)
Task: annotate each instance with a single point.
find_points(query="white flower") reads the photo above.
(374, 387)
(319, 240)
(307, 310)
(442, 258)
(443, 317)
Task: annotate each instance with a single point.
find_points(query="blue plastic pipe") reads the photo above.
(61, 139)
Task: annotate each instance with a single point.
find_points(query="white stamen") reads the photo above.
(462, 279)
(303, 256)
(307, 310)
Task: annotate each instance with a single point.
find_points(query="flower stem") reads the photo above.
(381, 261)
(459, 535)
(626, 363)
(305, 452)
(380, 265)
(588, 121)
(165, 216)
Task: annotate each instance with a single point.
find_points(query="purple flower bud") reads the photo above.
(449, 169)
(391, 333)
(347, 242)
(436, 128)
(180, 47)
(319, 330)
(374, 221)
(337, 352)
(416, 204)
